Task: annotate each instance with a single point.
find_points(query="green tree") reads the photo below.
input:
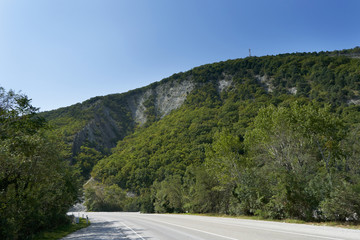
(36, 186)
(343, 204)
(168, 195)
(224, 157)
(86, 160)
(295, 145)
(100, 197)
(202, 192)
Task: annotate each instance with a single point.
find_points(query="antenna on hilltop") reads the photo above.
(249, 52)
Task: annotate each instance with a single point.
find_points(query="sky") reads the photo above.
(62, 52)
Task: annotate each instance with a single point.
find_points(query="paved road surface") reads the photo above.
(119, 225)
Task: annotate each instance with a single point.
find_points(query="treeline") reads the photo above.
(275, 157)
(37, 186)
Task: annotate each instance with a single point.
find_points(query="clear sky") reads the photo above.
(61, 52)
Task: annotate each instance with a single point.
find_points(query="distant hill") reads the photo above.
(150, 143)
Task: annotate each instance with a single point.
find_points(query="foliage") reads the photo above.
(36, 186)
(300, 147)
(327, 77)
(86, 159)
(202, 193)
(168, 195)
(282, 140)
(62, 231)
(104, 198)
(343, 204)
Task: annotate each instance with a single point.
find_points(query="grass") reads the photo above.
(350, 225)
(62, 231)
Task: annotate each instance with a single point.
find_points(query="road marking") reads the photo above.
(262, 229)
(194, 229)
(281, 231)
(287, 232)
(132, 230)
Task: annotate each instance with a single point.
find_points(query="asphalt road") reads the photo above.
(119, 225)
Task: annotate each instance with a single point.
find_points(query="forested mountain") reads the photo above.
(275, 136)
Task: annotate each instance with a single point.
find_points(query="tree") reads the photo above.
(168, 195)
(297, 145)
(202, 192)
(224, 157)
(36, 186)
(86, 160)
(100, 197)
(224, 164)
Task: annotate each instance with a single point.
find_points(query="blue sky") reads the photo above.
(61, 52)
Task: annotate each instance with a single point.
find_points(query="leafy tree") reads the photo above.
(203, 193)
(86, 160)
(36, 186)
(100, 197)
(296, 145)
(343, 204)
(169, 195)
(224, 158)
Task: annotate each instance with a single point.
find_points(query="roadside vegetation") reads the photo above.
(62, 231)
(37, 184)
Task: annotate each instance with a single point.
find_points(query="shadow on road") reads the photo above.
(106, 230)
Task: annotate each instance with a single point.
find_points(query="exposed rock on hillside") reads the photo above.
(163, 97)
(108, 119)
(266, 82)
(101, 122)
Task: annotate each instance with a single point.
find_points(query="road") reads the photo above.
(119, 225)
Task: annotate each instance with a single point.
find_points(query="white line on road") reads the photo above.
(194, 229)
(132, 230)
(262, 229)
(287, 232)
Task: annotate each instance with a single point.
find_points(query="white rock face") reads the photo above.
(140, 116)
(167, 97)
(354, 101)
(293, 90)
(265, 80)
(171, 96)
(224, 84)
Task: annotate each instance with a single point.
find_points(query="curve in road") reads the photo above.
(120, 225)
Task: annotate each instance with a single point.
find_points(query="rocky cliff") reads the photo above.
(101, 122)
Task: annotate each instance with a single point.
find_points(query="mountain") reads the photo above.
(191, 141)
(102, 121)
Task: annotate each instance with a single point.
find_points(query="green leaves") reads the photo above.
(86, 160)
(300, 146)
(224, 157)
(36, 186)
(104, 198)
(169, 195)
(284, 132)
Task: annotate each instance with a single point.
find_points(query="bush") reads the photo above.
(343, 204)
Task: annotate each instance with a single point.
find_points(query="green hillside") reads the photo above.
(274, 136)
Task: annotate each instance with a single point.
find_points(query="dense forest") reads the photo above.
(272, 136)
(280, 142)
